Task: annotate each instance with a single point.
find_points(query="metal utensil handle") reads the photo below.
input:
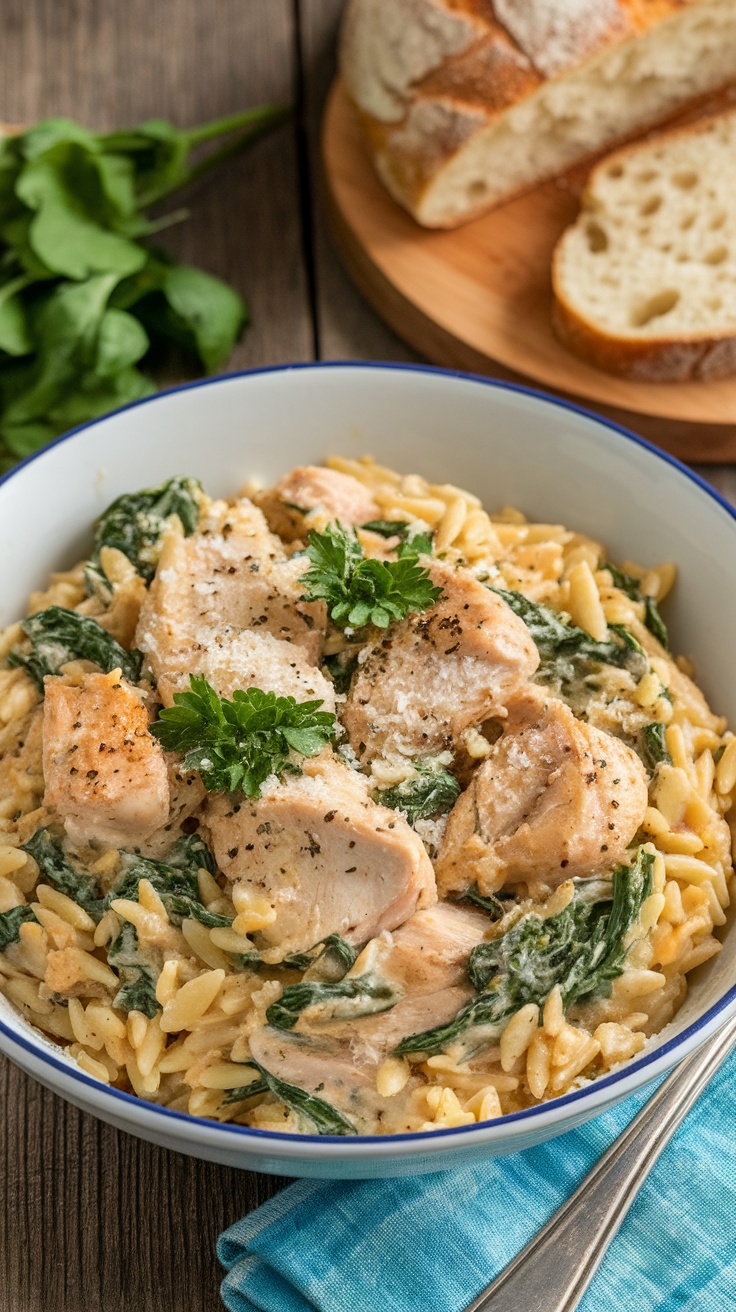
(552, 1273)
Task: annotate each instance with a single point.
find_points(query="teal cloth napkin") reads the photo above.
(430, 1243)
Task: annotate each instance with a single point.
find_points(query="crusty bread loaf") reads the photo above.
(645, 280)
(465, 103)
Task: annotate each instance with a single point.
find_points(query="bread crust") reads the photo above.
(656, 360)
(668, 358)
(427, 75)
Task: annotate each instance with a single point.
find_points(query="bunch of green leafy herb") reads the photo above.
(58, 635)
(135, 524)
(430, 792)
(10, 923)
(48, 852)
(241, 743)
(567, 653)
(137, 976)
(632, 587)
(82, 297)
(175, 881)
(582, 949)
(313, 1111)
(359, 590)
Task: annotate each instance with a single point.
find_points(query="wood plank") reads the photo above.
(347, 328)
(91, 1218)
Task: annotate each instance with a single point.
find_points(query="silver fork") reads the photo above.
(554, 1270)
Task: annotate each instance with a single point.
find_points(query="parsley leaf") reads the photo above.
(359, 590)
(240, 743)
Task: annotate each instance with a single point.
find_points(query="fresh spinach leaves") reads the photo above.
(82, 298)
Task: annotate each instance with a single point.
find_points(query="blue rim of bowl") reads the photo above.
(421, 1136)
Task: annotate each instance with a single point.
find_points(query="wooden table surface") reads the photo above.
(92, 1219)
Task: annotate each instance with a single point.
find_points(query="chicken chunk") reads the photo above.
(425, 965)
(105, 773)
(314, 493)
(327, 858)
(254, 659)
(425, 961)
(556, 798)
(440, 672)
(209, 587)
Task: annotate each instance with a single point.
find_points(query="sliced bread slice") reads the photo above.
(645, 279)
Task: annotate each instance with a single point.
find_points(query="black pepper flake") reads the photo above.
(91, 774)
(249, 847)
(330, 816)
(351, 870)
(615, 805)
(232, 853)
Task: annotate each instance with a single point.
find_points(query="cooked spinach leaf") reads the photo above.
(653, 745)
(329, 959)
(322, 1117)
(632, 587)
(244, 1091)
(135, 524)
(48, 853)
(58, 635)
(10, 923)
(487, 902)
(582, 949)
(137, 990)
(388, 528)
(175, 881)
(361, 995)
(430, 792)
(569, 658)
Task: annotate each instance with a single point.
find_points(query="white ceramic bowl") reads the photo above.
(508, 445)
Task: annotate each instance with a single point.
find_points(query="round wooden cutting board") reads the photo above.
(478, 297)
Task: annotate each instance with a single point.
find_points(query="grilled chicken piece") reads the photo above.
(230, 576)
(556, 798)
(435, 674)
(328, 859)
(105, 773)
(339, 1054)
(253, 659)
(424, 963)
(314, 493)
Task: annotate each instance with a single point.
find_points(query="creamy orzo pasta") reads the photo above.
(345, 806)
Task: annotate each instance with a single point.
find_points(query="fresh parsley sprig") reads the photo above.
(240, 743)
(359, 590)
